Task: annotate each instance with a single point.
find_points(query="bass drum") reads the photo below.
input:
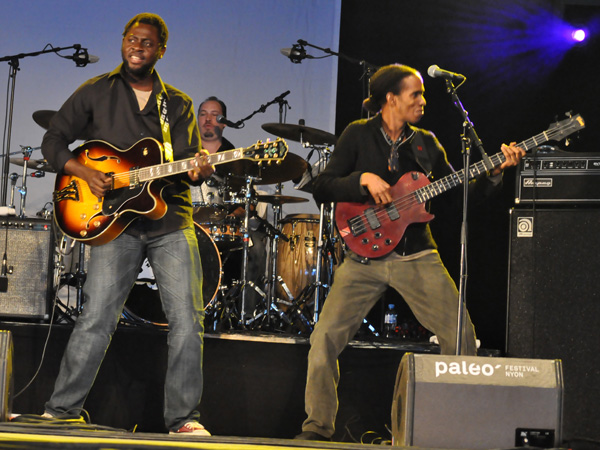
(143, 304)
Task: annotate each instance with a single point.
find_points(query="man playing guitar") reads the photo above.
(122, 107)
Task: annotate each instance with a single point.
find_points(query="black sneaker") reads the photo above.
(311, 436)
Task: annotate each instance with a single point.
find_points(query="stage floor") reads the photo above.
(253, 390)
(25, 436)
(253, 381)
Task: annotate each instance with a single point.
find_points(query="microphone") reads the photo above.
(296, 54)
(223, 120)
(435, 72)
(81, 57)
(281, 97)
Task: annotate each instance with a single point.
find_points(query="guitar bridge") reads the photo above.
(69, 192)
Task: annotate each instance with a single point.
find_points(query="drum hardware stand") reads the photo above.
(13, 183)
(78, 278)
(324, 249)
(273, 279)
(26, 150)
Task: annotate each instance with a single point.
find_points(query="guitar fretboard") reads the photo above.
(454, 179)
(184, 165)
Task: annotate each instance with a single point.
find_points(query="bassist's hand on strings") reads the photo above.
(513, 156)
(377, 187)
(98, 181)
(203, 169)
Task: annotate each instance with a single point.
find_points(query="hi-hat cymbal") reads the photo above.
(35, 164)
(300, 133)
(291, 167)
(279, 200)
(43, 117)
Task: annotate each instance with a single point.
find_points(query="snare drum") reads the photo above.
(208, 201)
(144, 305)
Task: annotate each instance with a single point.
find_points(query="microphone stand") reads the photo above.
(13, 62)
(279, 99)
(368, 68)
(468, 137)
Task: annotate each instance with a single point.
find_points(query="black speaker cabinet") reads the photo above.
(6, 375)
(554, 303)
(28, 246)
(477, 402)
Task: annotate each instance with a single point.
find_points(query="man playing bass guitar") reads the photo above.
(370, 157)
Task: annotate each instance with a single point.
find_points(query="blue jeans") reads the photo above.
(112, 270)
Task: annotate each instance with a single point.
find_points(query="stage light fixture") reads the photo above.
(578, 35)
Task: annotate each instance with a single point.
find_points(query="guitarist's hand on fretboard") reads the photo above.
(377, 187)
(203, 169)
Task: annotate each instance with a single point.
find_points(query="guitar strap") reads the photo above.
(421, 154)
(164, 126)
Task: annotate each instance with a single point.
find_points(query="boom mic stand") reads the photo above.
(13, 62)
(468, 137)
(368, 68)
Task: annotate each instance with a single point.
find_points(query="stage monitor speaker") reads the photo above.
(477, 402)
(6, 375)
(554, 303)
(28, 246)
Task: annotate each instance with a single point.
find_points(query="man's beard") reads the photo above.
(216, 132)
(141, 73)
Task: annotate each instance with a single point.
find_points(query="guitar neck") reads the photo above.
(184, 165)
(454, 179)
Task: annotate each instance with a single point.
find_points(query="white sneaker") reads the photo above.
(192, 428)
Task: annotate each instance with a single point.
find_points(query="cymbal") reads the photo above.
(43, 117)
(291, 167)
(209, 214)
(300, 133)
(35, 164)
(279, 200)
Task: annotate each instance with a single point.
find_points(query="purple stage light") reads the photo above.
(578, 35)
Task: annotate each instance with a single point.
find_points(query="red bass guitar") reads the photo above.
(373, 231)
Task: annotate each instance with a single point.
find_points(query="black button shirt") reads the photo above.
(105, 108)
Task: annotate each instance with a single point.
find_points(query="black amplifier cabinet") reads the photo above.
(559, 177)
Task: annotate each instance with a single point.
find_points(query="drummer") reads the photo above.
(213, 141)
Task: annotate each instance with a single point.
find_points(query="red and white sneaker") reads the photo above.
(191, 428)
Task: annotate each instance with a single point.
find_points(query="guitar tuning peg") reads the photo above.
(569, 114)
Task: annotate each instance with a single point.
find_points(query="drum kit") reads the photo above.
(302, 249)
(258, 274)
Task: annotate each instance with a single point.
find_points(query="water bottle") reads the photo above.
(390, 321)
